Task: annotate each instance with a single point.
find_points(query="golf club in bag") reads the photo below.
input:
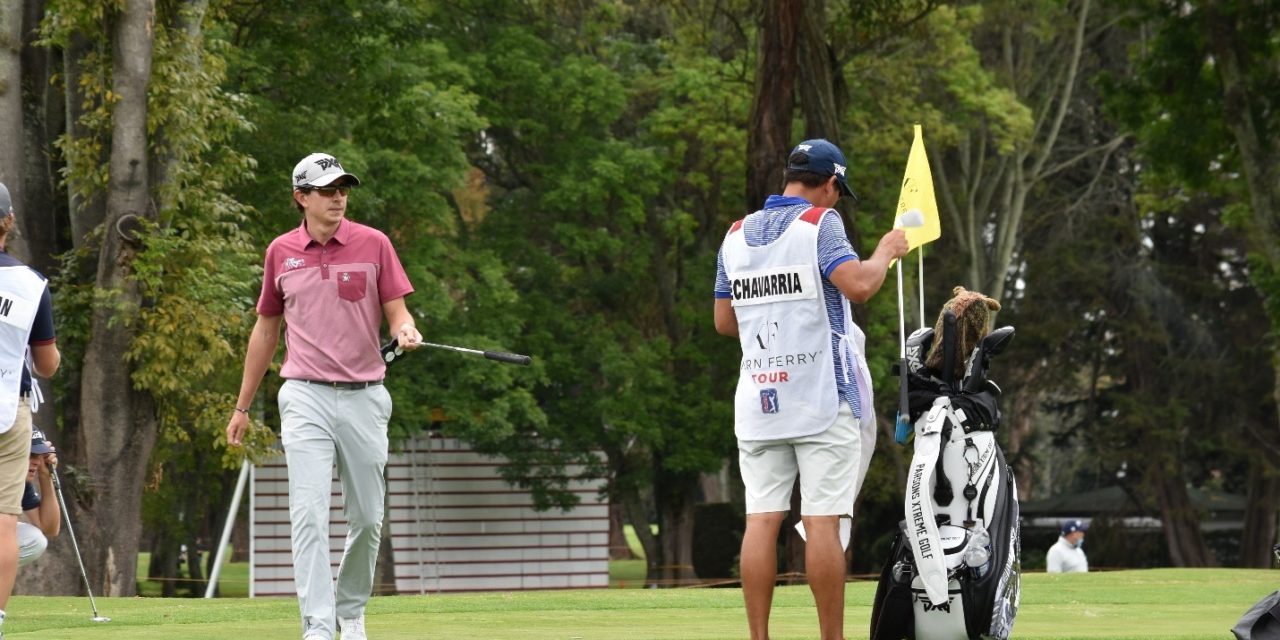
(953, 573)
(392, 350)
(62, 503)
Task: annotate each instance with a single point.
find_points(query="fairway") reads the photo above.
(1159, 603)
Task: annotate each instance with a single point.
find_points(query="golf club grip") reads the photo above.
(513, 358)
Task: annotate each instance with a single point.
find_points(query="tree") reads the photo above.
(160, 252)
(1203, 108)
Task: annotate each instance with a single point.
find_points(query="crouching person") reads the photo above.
(44, 516)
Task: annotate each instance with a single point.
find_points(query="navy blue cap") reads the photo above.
(1072, 526)
(38, 444)
(823, 158)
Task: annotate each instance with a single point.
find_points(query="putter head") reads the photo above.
(911, 218)
(101, 619)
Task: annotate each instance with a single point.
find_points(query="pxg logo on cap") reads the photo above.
(320, 170)
(823, 158)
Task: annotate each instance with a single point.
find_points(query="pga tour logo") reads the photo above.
(768, 400)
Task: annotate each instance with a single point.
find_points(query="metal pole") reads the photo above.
(226, 530)
(920, 252)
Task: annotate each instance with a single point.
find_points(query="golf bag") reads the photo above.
(954, 568)
(1262, 620)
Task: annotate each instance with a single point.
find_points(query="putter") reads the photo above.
(57, 486)
(392, 350)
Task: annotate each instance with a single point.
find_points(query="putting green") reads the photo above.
(1158, 603)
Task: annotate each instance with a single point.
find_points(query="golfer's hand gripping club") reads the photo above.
(392, 350)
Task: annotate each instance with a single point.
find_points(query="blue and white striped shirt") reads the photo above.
(833, 250)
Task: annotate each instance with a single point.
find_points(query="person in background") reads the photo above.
(1067, 554)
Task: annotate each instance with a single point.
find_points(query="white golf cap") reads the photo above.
(319, 170)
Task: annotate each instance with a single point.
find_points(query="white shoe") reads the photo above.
(352, 628)
(314, 636)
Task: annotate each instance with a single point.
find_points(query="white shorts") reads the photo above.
(831, 465)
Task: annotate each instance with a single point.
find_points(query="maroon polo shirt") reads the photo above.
(331, 296)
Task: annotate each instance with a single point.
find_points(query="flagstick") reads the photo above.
(921, 277)
(902, 424)
(902, 319)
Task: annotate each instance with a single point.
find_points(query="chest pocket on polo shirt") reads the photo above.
(351, 285)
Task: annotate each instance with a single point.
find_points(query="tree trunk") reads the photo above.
(818, 74)
(164, 565)
(1019, 422)
(118, 423)
(43, 211)
(1182, 532)
(187, 28)
(1260, 514)
(618, 547)
(1261, 163)
(195, 582)
(634, 511)
(11, 108)
(676, 533)
(769, 128)
(86, 212)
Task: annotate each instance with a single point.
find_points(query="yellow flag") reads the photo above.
(917, 194)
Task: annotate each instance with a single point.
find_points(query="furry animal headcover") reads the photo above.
(973, 322)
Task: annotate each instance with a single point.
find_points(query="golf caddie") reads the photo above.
(785, 276)
(26, 324)
(331, 282)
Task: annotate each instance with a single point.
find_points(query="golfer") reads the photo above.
(26, 323)
(331, 281)
(784, 279)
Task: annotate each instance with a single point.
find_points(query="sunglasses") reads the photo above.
(328, 192)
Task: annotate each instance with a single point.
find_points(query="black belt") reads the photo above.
(343, 385)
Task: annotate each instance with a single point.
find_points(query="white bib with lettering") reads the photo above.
(786, 385)
(20, 291)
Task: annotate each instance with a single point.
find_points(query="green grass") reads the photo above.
(627, 574)
(233, 580)
(1121, 605)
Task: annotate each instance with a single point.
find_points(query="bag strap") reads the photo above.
(922, 525)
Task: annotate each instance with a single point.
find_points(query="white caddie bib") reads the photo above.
(786, 384)
(20, 291)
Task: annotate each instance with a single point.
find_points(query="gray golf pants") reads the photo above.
(31, 543)
(322, 426)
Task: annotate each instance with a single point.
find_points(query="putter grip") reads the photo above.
(503, 356)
